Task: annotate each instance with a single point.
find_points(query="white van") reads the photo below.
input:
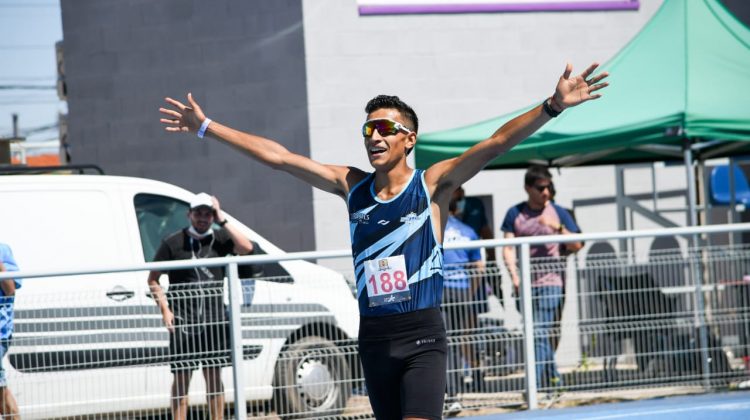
(86, 345)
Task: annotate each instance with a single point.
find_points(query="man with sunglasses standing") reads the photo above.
(397, 217)
(539, 216)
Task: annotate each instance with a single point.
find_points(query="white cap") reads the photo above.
(201, 199)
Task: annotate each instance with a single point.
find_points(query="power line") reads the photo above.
(32, 96)
(11, 79)
(49, 139)
(35, 130)
(26, 47)
(35, 95)
(26, 87)
(28, 5)
(31, 102)
(40, 129)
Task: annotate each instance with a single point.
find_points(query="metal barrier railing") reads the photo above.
(632, 319)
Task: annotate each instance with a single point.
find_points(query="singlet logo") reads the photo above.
(383, 222)
(410, 218)
(359, 217)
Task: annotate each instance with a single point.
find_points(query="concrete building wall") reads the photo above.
(457, 70)
(244, 63)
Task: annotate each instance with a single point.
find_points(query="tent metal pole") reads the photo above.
(619, 199)
(690, 176)
(707, 206)
(732, 201)
(695, 269)
(654, 189)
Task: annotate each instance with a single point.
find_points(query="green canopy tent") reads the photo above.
(679, 90)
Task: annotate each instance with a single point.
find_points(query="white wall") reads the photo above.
(455, 70)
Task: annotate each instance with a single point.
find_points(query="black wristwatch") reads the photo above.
(547, 107)
(222, 223)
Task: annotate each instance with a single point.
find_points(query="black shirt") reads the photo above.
(196, 295)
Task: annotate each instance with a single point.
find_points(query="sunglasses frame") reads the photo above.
(397, 125)
(541, 188)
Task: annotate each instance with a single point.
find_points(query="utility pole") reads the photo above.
(6, 141)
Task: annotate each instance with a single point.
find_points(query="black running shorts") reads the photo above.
(404, 358)
(206, 345)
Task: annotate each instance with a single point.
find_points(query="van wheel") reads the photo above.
(311, 379)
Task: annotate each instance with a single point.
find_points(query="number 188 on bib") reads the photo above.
(386, 280)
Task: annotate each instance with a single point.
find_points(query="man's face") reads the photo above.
(383, 149)
(201, 218)
(540, 192)
(456, 201)
(458, 194)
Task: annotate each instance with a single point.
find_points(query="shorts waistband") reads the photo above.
(423, 320)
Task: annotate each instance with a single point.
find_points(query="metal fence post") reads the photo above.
(696, 269)
(235, 320)
(528, 326)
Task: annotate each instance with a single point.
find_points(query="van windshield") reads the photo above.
(158, 216)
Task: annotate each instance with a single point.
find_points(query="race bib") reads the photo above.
(386, 280)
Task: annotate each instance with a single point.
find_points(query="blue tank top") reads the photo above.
(399, 226)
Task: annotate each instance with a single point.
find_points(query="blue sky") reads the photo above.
(28, 32)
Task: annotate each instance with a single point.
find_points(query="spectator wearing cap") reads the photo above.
(193, 308)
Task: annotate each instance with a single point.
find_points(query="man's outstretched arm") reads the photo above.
(329, 178)
(447, 175)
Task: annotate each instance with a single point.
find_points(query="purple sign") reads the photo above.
(394, 7)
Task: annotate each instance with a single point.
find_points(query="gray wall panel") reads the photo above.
(243, 61)
(454, 70)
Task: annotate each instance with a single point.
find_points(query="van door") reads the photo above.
(157, 217)
(78, 339)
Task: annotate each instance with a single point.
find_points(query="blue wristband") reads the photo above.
(204, 126)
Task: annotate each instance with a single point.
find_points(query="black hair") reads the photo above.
(536, 173)
(394, 102)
